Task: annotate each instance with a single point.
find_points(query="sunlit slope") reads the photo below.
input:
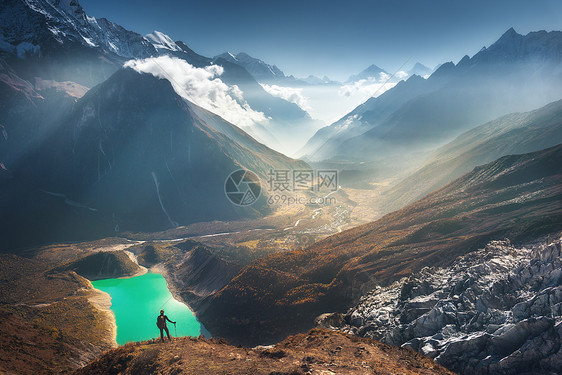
(510, 134)
(517, 196)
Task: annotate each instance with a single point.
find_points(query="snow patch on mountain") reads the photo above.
(260, 70)
(494, 311)
(203, 87)
(162, 41)
(38, 21)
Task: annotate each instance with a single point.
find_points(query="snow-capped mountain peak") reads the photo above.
(71, 8)
(162, 41)
(259, 69)
(33, 26)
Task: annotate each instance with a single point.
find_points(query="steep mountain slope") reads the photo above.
(514, 133)
(517, 196)
(318, 352)
(260, 70)
(515, 73)
(57, 40)
(496, 310)
(133, 155)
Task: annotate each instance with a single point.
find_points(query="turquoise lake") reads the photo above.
(136, 302)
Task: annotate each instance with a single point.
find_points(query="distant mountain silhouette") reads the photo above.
(509, 134)
(516, 73)
(260, 70)
(372, 71)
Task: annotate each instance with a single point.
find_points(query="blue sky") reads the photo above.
(334, 38)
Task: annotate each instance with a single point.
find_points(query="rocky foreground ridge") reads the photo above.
(316, 352)
(497, 310)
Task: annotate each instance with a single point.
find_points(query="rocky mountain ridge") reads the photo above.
(497, 310)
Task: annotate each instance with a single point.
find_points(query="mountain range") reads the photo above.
(516, 73)
(128, 155)
(271, 74)
(108, 133)
(59, 41)
(372, 72)
(260, 70)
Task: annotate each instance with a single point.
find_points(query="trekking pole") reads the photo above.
(175, 330)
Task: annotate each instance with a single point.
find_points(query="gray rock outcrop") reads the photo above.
(497, 310)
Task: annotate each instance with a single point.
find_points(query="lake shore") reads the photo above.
(174, 289)
(102, 301)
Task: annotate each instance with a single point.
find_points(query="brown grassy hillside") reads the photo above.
(516, 196)
(318, 352)
(47, 324)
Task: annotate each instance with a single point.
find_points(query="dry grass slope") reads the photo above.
(317, 352)
(517, 196)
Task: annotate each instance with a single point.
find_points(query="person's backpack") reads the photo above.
(161, 321)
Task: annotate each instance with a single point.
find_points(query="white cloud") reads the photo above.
(400, 75)
(365, 88)
(290, 94)
(372, 86)
(202, 87)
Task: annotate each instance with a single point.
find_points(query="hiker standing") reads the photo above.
(161, 323)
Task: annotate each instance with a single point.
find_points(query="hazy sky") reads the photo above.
(334, 38)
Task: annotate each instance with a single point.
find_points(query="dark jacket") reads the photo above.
(161, 321)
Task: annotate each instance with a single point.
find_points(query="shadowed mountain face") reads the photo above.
(58, 41)
(517, 196)
(514, 133)
(514, 74)
(131, 155)
(102, 265)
